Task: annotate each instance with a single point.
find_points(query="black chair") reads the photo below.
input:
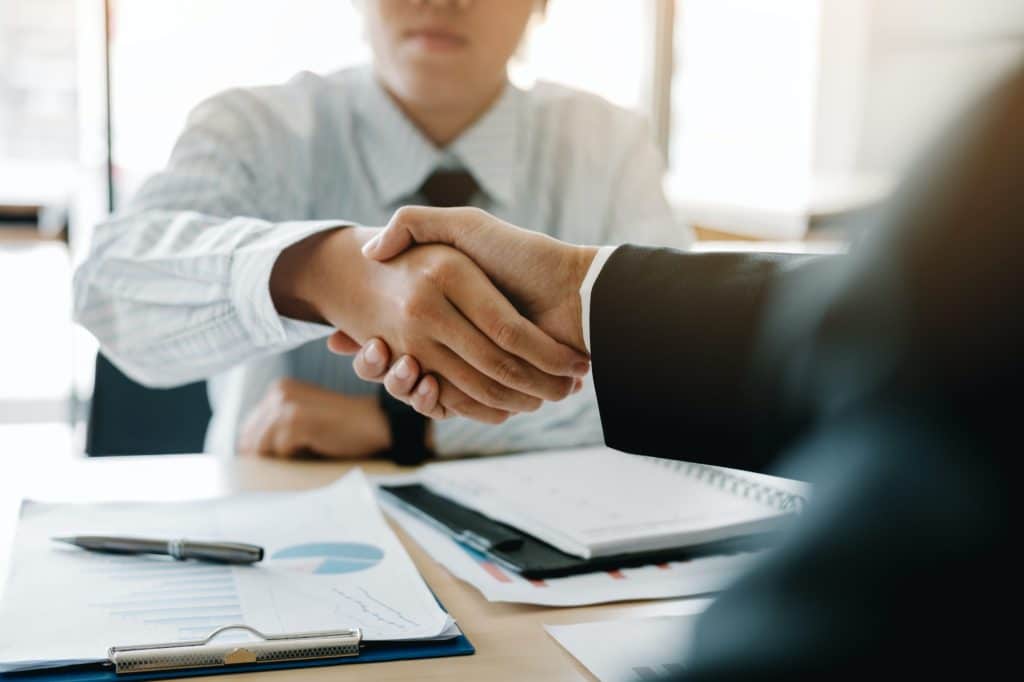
(126, 418)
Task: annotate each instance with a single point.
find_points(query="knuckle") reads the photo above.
(507, 334)
(462, 406)
(404, 215)
(562, 388)
(442, 270)
(497, 394)
(508, 372)
(416, 307)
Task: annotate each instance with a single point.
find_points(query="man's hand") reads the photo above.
(540, 274)
(295, 418)
(404, 379)
(436, 305)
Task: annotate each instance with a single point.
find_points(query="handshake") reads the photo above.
(454, 311)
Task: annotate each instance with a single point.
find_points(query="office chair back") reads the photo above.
(126, 418)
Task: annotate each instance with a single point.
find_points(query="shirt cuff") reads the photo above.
(251, 266)
(600, 258)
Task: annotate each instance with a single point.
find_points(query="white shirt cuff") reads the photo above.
(600, 258)
(251, 266)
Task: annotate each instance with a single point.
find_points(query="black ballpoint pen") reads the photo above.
(219, 552)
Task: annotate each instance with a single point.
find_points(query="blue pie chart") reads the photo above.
(334, 557)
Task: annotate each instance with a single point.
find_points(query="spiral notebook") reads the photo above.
(598, 502)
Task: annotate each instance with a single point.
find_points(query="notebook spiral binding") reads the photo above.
(767, 495)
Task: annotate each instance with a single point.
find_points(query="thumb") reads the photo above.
(415, 225)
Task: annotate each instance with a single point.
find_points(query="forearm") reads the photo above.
(572, 422)
(308, 276)
(176, 296)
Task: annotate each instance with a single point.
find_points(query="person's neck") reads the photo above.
(442, 124)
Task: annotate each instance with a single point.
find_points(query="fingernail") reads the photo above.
(373, 354)
(581, 368)
(424, 389)
(371, 246)
(403, 370)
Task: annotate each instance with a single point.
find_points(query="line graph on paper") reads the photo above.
(365, 605)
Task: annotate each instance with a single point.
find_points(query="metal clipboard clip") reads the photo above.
(205, 653)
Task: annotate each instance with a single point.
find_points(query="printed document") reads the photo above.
(331, 563)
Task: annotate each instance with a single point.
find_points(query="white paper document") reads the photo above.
(661, 581)
(331, 563)
(637, 650)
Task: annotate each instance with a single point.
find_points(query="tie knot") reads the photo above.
(446, 188)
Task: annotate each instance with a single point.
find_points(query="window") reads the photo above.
(167, 56)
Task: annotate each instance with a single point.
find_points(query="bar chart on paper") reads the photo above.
(192, 598)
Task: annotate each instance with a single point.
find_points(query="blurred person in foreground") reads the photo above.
(890, 378)
(237, 259)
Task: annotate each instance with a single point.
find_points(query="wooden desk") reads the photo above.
(510, 640)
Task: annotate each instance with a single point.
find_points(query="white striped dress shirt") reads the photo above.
(176, 287)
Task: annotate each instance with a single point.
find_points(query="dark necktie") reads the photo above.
(444, 188)
(448, 188)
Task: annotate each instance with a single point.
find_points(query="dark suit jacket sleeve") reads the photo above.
(673, 339)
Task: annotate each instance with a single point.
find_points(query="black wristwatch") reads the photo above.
(408, 431)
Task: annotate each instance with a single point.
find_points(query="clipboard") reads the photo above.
(56, 623)
(532, 558)
(210, 657)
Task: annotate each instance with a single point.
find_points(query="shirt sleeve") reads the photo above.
(176, 287)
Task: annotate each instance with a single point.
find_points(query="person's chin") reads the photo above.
(430, 80)
(420, 54)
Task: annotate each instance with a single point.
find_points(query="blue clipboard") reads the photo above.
(374, 653)
(370, 652)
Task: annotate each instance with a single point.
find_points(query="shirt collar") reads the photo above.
(399, 158)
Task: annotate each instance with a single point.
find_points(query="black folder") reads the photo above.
(533, 558)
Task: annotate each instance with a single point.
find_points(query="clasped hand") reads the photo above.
(434, 304)
(540, 274)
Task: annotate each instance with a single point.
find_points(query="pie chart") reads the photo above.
(330, 558)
